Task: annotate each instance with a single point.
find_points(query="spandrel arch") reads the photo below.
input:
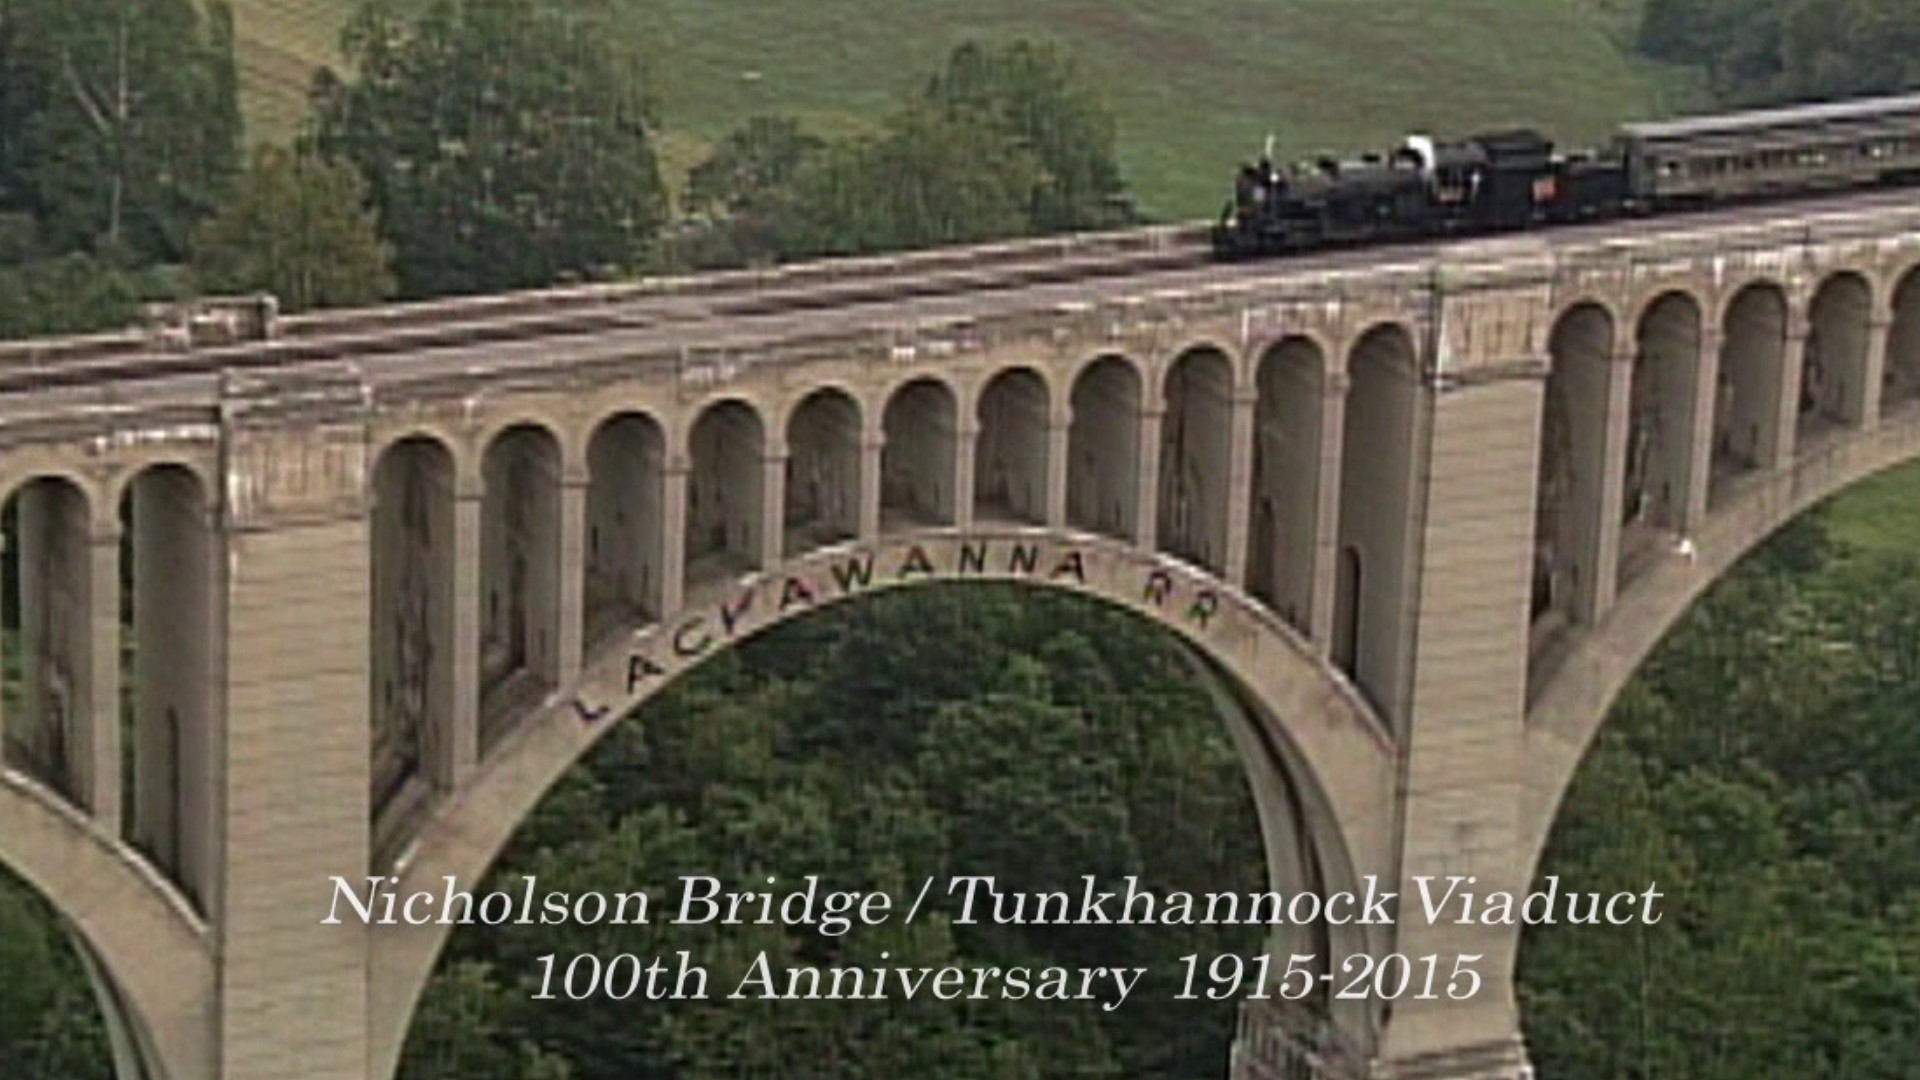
(1344, 754)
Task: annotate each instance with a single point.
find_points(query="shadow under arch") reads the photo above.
(1343, 763)
(146, 954)
(1564, 720)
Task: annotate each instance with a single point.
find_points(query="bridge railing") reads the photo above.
(723, 283)
(222, 324)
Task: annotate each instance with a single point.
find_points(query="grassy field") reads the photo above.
(1881, 514)
(1196, 85)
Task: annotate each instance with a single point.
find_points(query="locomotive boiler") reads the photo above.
(1514, 179)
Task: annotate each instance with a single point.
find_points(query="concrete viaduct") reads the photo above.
(365, 584)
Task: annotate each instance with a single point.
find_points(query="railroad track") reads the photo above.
(96, 369)
(561, 313)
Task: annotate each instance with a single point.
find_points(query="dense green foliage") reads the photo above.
(505, 142)
(958, 731)
(50, 1026)
(1784, 50)
(122, 121)
(119, 130)
(298, 227)
(1003, 142)
(1762, 769)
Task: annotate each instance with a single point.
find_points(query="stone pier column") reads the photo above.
(966, 443)
(1325, 551)
(1059, 445)
(570, 610)
(1239, 493)
(1146, 502)
(673, 537)
(97, 759)
(1863, 401)
(873, 443)
(294, 770)
(773, 508)
(462, 746)
(1594, 595)
(1779, 443)
(1696, 478)
(1462, 783)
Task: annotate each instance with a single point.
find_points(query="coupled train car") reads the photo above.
(1513, 179)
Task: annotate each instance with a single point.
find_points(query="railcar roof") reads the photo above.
(1855, 109)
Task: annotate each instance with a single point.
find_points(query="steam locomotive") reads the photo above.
(1513, 179)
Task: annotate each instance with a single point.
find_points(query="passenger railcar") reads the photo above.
(1513, 179)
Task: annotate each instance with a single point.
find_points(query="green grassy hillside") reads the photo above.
(1197, 85)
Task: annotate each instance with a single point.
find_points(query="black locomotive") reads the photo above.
(1514, 180)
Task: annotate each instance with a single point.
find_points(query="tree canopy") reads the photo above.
(122, 121)
(1767, 51)
(505, 143)
(1004, 141)
(298, 228)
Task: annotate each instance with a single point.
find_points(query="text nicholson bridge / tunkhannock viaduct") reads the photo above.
(374, 579)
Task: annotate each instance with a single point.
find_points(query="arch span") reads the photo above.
(1575, 701)
(135, 932)
(1347, 761)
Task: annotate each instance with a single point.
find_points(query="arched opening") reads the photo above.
(726, 452)
(1196, 452)
(823, 471)
(1568, 512)
(167, 599)
(1901, 379)
(1839, 334)
(626, 525)
(1752, 372)
(519, 575)
(1378, 474)
(1666, 365)
(998, 744)
(47, 707)
(1010, 459)
(1762, 747)
(1287, 437)
(412, 638)
(917, 459)
(1103, 450)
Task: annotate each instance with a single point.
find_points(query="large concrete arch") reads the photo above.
(1346, 759)
(1303, 854)
(145, 947)
(1573, 704)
